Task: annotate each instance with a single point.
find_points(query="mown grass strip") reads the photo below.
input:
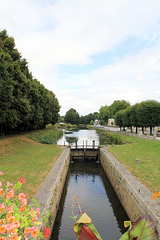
(147, 151)
(21, 156)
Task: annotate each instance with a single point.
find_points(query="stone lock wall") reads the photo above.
(50, 191)
(134, 196)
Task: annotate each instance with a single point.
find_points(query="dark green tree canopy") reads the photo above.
(117, 106)
(87, 119)
(144, 114)
(148, 114)
(25, 103)
(104, 114)
(119, 118)
(72, 116)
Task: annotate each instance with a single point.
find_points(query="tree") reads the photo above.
(119, 119)
(25, 103)
(88, 118)
(117, 106)
(148, 114)
(72, 117)
(133, 116)
(104, 114)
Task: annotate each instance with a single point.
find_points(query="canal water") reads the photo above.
(79, 136)
(89, 185)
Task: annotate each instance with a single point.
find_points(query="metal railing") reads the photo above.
(84, 145)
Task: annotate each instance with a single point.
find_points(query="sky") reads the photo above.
(89, 52)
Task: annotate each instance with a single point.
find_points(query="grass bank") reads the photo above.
(147, 151)
(22, 156)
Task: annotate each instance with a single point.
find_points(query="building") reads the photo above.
(111, 122)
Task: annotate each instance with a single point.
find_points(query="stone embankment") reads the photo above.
(134, 196)
(50, 191)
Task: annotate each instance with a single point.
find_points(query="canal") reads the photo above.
(79, 136)
(88, 181)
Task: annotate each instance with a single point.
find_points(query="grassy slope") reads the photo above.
(21, 156)
(148, 151)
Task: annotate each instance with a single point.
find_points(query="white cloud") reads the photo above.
(51, 34)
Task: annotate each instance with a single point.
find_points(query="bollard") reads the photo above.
(93, 143)
(138, 161)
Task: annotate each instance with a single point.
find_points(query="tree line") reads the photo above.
(73, 117)
(144, 114)
(25, 104)
(106, 112)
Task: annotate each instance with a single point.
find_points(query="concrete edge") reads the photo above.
(122, 180)
(50, 191)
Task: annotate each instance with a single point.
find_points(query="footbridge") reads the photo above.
(85, 152)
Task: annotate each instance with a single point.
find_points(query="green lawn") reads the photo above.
(21, 156)
(148, 151)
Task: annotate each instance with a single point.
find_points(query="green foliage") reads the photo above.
(72, 117)
(119, 118)
(144, 114)
(104, 113)
(91, 122)
(109, 138)
(148, 114)
(71, 126)
(47, 136)
(116, 106)
(25, 104)
(88, 118)
(144, 228)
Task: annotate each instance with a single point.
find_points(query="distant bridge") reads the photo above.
(85, 152)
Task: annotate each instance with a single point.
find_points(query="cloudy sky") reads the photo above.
(89, 52)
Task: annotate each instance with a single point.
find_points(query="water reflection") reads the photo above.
(71, 140)
(97, 198)
(81, 136)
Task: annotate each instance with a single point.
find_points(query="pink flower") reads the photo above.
(80, 212)
(17, 224)
(22, 180)
(2, 207)
(9, 184)
(10, 194)
(1, 191)
(22, 196)
(0, 184)
(1, 173)
(35, 218)
(2, 229)
(22, 208)
(24, 201)
(27, 231)
(34, 232)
